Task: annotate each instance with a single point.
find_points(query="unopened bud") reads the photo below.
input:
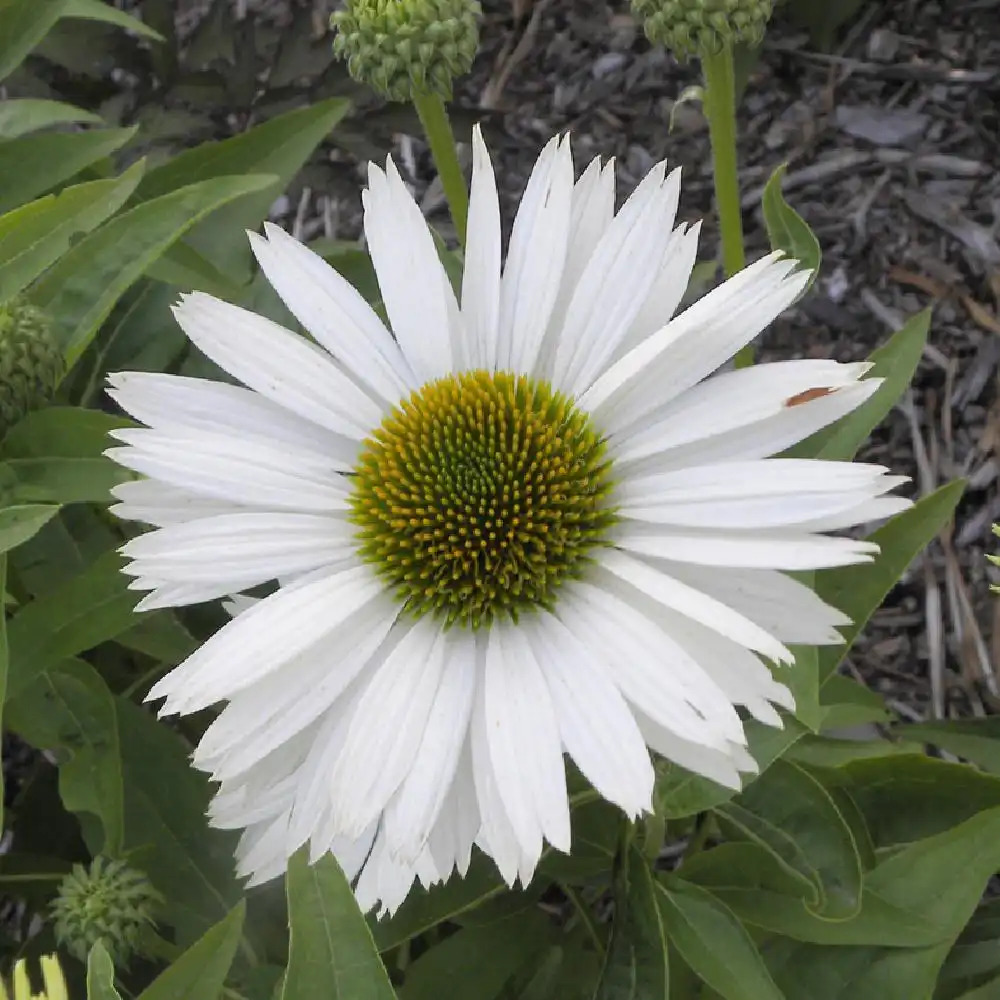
(703, 27)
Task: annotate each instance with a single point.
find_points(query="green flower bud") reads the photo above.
(31, 364)
(52, 978)
(110, 903)
(703, 27)
(401, 46)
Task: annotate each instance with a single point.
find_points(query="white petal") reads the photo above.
(414, 286)
(695, 343)
(717, 765)
(274, 710)
(762, 438)
(416, 806)
(278, 364)
(481, 276)
(496, 834)
(253, 547)
(162, 504)
(535, 258)
(787, 609)
(333, 311)
(668, 291)
(176, 403)
(596, 726)
(691, 602)
(458, 822)
(245, 473)
(387, 727)
(649, 668)
(616, 281)
(264, 638)
(732, 401)
(523, 738)
(765, 549)
(864, 513)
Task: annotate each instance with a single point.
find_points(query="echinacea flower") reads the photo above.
(522, 524)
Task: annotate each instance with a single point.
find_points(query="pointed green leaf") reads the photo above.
(713, 942)
(331, 954)
(788, 812)
(97, 10)
(894, 362)
(166, 801)
(70, 708)
(637, 965)
(21, 115)
(201, 971)
(846, 702)
(787, 229)
(101, 975)
(72, 618)
(478, 961)
(34, 164)
(21, 522)
(81, 290)
(36, 235)
(859, 590)
(977, 740)
(426, 908)
(23, 24)
(278, 147)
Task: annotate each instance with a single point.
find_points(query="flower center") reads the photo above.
(480, 494)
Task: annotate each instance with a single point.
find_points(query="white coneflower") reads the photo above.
(520, 524)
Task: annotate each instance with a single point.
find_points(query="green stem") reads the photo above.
(437, 128)
(720, 110)
(585, 914)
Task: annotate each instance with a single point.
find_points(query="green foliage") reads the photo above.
(786, 228)
(331, 954)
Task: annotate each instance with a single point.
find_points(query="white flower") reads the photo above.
(541, 464)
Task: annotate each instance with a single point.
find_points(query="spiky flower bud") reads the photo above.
(703, 27)
(52, 980)
(401, 46)
(110, 902)
(31, 364)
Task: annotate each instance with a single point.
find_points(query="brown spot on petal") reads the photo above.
(807, 396)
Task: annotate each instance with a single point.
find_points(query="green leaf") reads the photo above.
(714, 943)
(87, 610)
(201, 971)
(977, 740)
(802, 679)
(97, 10)
(637, 964)
(101, 975)
(36, 235)
(426, 908)
(70, 708)
(859, 590)
(828, 751)
(478, 961)
(166, 827)
(34, 164)
(846, 703)
(331, 954)
(278, 147)
(80, 291)
(21, 522)
(895, 362)
(791, 814)
(19, 116)
(904, 799)
(787, 229)
(941, 879)
(4, 662)
(56, 456)
(23, 24)
(679, 793)
(988, 991)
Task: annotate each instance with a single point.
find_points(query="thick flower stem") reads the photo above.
(437, 128)
(720, 110)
